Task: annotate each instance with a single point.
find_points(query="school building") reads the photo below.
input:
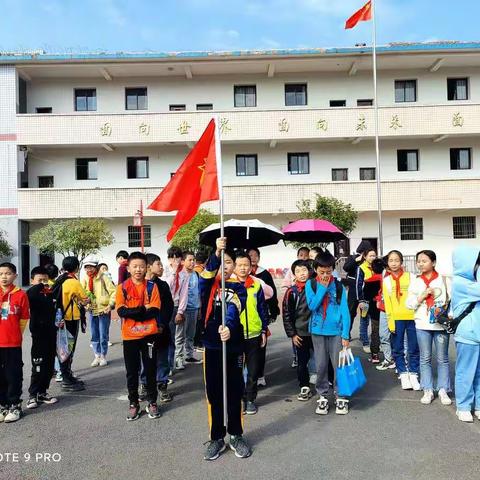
(93, 135)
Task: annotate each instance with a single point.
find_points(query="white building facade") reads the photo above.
(94, 135)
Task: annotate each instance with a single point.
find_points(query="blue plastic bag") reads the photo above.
(350, 375)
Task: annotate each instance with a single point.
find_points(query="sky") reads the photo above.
(78, 26)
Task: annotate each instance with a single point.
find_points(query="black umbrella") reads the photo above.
(242, 234)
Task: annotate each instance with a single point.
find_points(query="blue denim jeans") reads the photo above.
(163, 367)
(467, 377)
(426, 340)
(100, 328)
(385, 345)
(402, 328)
(364, 322)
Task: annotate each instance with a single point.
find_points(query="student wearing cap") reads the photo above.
(101, 292)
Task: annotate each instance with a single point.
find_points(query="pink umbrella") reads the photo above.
(313, 231)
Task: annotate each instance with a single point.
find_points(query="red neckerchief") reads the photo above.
(300, 286)
(91, 277)
(396, 279)
(430, 300)
(326, 298)
(249, 282)
(177, 278)
(211, 298)
(7, 293)
(133, 293)
(376, 277)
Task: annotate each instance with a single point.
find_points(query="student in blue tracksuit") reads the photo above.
(329, 326)
(466, 295)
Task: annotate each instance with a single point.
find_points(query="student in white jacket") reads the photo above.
(429, 291)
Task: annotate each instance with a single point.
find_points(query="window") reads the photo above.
(464, 227)
(460, 159)
(245, 95)
(135, 236)
(339, 174)
(247, 165)
(338, 103)
(136, 98)
(411, 229)
(179, 107)
(407, 160)
(298, 163)
(204, 106)
(405, 91)
(295, 94)
(137, 167)
(45, 182)
(457, 88)
(43, 110)
(366, 102)
(367, 173)
(85, 99)
(86, 168)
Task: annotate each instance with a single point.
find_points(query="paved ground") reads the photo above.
(387, 435)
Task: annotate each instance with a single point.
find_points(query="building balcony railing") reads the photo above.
(248, 125)
(48, 203)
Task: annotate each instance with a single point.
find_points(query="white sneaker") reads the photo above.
(341, 406)
(444, 398)
(179, 365)
(96, 361)
(313, 379)
(13, 414)
(405, 381)
(294, 363)
(305, 394)
(3, 413)
(477, 414)
(261, 382)
(59, 377)
(366, 349)
(322, 406)
(102, 362)
(414, 382)
(110, 344)
(465, 416)
(428, 397)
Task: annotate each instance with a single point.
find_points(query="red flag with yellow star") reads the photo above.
(362, 15)
(193, 183)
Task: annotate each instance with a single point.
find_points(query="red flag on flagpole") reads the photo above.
(193, 183)
(362, 15)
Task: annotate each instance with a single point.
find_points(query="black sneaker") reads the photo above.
(250, 408)
(375, 359)
(46, 398)
(72, 386)
(240, 446)
(214, 449)
(165, 397)
(193, 361)
(32, 403)
(133, 412)
(153, 410)
(142, 392)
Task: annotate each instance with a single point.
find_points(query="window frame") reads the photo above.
(246, 156)
(467, 89)
(456, 229)
(136, 96)
(88, 160)
(235, 87)
(340, 170)
(204, 105)
(291, 156)
(417, 233)
(147, 236)
(458, 160)
(369, 100)
(45, 177)
(177, 107)
(344, 101)
(406, 151)
(49, 110)
(296, 93)
(136, 159)
(404, 81)
(76, 96)
(362, 170)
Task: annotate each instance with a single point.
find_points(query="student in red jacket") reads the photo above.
(14, 317)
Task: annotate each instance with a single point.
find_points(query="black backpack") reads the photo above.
(338, 287)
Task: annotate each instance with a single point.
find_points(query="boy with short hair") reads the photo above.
(329, 326)
(296, 319)
(44, 337)
(122, 260)
(14, 317)
(138, 304)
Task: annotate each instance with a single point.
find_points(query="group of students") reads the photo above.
(169, 315)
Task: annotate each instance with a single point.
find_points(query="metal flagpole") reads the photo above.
(377, 148)
(218, 157)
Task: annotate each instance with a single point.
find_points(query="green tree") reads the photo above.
(187, 237)
(78, 237)
(5, 248)
(341, 214)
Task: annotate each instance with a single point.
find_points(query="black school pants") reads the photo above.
(254, 358)
(43, 354)
(72, 326)
(138, 352)
(11, 376)
(214, 389)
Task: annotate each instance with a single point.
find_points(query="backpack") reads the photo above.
(338, 287)
(57, 293)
